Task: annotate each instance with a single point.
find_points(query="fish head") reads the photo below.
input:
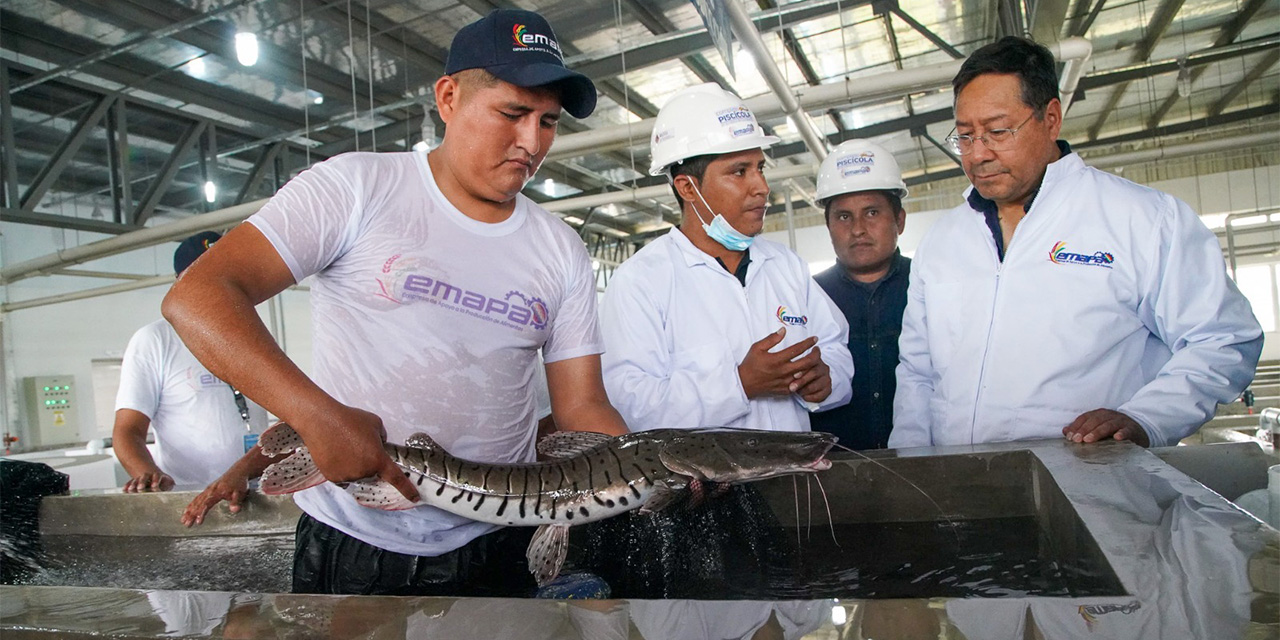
(744, 455)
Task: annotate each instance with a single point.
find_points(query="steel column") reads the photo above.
(118, 161)
(9, 151)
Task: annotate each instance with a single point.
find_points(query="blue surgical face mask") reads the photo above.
(720, 230)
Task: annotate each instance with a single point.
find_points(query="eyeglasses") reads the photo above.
(994, 140)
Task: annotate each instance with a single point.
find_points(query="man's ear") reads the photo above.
(1053, 117)
(448, 97)
(684, 186)
(902, 220)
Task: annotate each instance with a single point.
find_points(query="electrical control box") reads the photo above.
(52, 411)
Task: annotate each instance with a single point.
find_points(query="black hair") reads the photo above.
(895, 203)
(695, 167)
(1030, 61)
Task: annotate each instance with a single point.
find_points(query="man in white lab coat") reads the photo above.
(1060, 300)
(708, 325)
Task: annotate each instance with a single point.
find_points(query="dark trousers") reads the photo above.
(328, 561)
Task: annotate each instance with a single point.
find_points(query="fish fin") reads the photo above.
(665, 494)
(421, 440)
(379, 494)
(280, 439)
(547, 550)
(566, 444)
(294, 473)
(680, 465)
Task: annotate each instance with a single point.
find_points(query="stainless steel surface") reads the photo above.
(1230, 468)
(1189, 565)
(115, 513)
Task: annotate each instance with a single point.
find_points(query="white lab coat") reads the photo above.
(1111, 295)
(676, 326)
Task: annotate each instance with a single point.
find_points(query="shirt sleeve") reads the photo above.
(142, 373)
(1190, 304)
(912, 425)
(315, 217)
(832, 330)
(652, 387)
(575, 330)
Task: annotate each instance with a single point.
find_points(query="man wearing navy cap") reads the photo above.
(434, 286)
(202, 425)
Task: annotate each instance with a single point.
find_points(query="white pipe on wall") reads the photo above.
(88, 293)
(148, 237)
(751, 39)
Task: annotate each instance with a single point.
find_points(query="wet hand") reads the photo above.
(150, 481)
(771, 373)
(1100, 424)
(232, 487)
(814, 384)
(348, 447)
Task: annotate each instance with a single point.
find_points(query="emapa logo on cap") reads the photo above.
(526, 40)
(520, 48)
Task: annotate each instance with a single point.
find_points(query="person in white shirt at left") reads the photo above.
(202, 425)
(1060, 300)
(709, 325)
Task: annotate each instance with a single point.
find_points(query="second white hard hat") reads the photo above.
(701, 120)
(859, 165)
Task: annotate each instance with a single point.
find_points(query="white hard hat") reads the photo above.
(859, 165)
(701, 120)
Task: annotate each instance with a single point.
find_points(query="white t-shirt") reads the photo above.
(430, 319)
(199, 431)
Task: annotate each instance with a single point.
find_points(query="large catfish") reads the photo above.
(588, 477)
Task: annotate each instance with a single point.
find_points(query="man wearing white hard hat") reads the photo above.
(860, 188)
(709, 325)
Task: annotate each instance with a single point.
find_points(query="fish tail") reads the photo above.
(297, 471)
(280, 439)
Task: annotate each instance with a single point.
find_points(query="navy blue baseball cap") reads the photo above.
(519, 47)
(191, 248)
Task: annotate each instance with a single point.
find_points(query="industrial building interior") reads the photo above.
(128, 125)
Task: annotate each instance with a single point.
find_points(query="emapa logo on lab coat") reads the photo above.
(1060, 255)
(791, 320)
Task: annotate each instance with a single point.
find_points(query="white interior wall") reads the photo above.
(64, 338)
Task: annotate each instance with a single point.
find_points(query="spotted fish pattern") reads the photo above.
(587, 476)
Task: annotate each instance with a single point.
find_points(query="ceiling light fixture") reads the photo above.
(1184, 78)
(247, 48)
